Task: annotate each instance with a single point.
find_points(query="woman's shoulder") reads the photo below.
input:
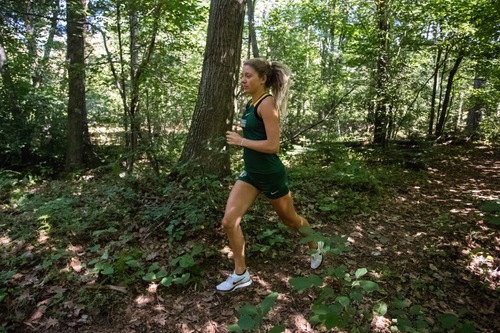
(268, 101)
(267, 105)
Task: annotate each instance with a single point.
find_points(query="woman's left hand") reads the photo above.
(233, 138)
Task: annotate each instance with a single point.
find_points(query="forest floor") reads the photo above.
(427, 244)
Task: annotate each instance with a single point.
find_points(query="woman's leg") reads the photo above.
(240, 199)
(286, 211)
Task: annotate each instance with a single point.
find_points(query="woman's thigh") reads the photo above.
(240, 199)
(285, 209)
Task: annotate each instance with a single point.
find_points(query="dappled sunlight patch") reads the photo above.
(301, 324)
(262, 283)
(380, 324)
(75, 249)
(485, 266)
(210, 327)
(143, 300)
(226, 250)
(42, 237)
(75, 264)
(152, 288)
(16, 245)
(5, 240)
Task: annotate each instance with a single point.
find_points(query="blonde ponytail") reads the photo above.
(278, 80)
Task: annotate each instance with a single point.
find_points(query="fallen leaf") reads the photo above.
(51, 322)
(160, 319)
(38, 313)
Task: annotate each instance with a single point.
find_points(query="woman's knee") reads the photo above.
(229, 223)
(294, 222)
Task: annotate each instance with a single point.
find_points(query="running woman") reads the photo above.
(264, 172)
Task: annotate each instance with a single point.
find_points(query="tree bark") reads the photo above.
(78, 139)
(214, 111)
(446, 100)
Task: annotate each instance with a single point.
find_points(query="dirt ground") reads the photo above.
(419, 244)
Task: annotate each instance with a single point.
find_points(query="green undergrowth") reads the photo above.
(338, 180)
(350, 298)
(83, 245)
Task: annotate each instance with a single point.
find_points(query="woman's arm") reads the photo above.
(269, 114)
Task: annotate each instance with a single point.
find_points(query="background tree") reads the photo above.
(152, 53)
(78, 137)
(214, 111)
(145, 43)
(382, 104)
(252, 34)
(33, 125)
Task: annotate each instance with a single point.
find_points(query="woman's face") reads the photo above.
(250, 80)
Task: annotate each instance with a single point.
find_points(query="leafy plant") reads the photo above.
(493, 210)
(184, 268)
(338, 305)
(337, 308)
(251, 316)
(115, 265)
(268, 239)
(490, 128)
(192, 201)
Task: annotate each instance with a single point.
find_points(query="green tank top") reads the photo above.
(253, 129)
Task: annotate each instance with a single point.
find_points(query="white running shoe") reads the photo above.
(235, 281)
(317, 256)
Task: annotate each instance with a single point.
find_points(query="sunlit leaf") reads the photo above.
(149, 276)
(360, 272)
(268, 303)
(235, 328)
(108, 270)
(380, 308)
(343, 300)
(167, 281)
(369, 286)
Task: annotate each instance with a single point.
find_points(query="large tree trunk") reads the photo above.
(78, 139)
(383, 104)
(214, 111)
(446, 100)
